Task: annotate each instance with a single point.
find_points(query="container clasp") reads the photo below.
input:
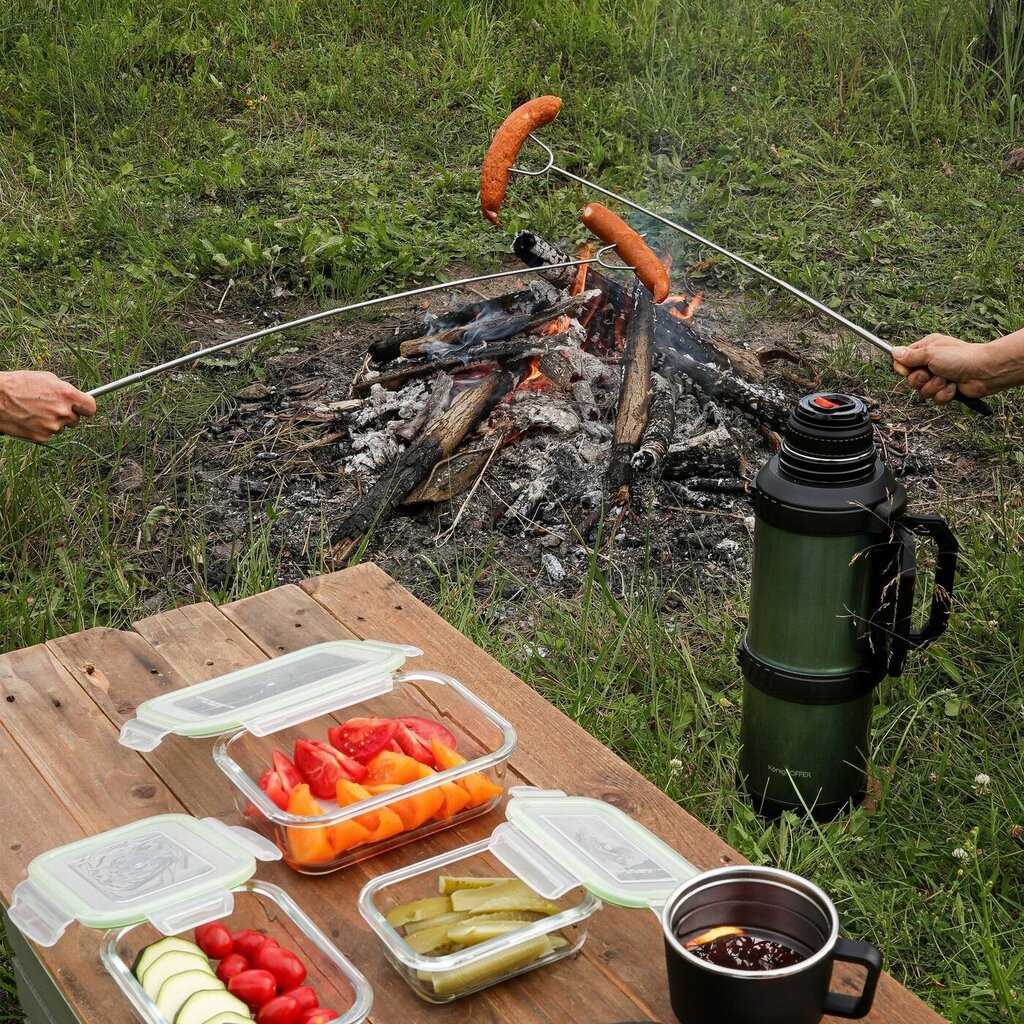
(210, 906)
(252, 842)
(36, 916)
(139, 735)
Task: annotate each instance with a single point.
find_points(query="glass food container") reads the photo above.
(164, 876)
(573, 851)
(300, 696)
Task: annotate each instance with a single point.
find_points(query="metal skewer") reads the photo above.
(977, 404)
(191, 357)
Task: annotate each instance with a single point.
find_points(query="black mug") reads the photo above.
(769, 903)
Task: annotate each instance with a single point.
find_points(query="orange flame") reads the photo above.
(560, 323)
(683, 307)
(721, 932)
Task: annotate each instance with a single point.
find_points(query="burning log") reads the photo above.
(473, 336)
(517, 302)
(634, 395)
(435, 443)
(669, 329)
(661, 425)
(518, 347)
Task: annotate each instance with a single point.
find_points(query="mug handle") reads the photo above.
(870, 958)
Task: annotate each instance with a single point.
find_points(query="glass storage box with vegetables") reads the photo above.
(479, 915)
(190, 938)
(336, 756)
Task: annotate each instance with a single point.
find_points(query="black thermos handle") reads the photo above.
(946, 550)
(868, 957)
(904, 639)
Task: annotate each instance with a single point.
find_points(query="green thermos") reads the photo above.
(831, 603)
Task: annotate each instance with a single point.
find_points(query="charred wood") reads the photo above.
(661, 425)
(522, 346)
(471, 337)
(440, 393)
(518, 302)
(435, 443)
(760, 401)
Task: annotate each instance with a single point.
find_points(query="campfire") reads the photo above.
(638, 393)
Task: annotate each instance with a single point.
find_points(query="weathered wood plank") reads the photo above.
(369, 602)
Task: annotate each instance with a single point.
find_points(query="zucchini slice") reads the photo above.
(177, 990)
(206, 1007)
(157, 949)
(177, 961)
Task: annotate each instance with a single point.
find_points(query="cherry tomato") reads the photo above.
(214, 940)
(254, 988)
(232, 964)
(282, 1010)
(286, 967)
(318, 1016)
(305, 996)
(248, 941)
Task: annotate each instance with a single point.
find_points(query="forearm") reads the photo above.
(1004, 360)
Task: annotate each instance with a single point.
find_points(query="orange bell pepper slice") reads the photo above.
(307, 845)
(478, 786)
(347, 834)
(391, 768)
(455, 800)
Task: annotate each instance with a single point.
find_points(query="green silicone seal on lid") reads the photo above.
(553, 842)
(172, 870)
(270, 695)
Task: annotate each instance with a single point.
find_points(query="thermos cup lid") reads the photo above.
(828, 439)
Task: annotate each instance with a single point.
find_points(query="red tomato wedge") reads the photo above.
(271, 784)
(322, 766)
(412, 746)
(427, 729)
(361, 738)
(290, 775)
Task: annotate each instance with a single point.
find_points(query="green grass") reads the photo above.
(151, 154)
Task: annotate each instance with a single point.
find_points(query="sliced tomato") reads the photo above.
(428, 729)
(412, 746)
(394, 747)
(290, 775)
(322, 766)
(271, 784)
(361, 738)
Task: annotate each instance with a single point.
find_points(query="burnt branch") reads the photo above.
(661, 425)
(435, 443)
(520, 347)
(471, 337)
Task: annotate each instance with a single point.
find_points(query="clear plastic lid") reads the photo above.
(555, 842)
(174, 871)
(270, 695)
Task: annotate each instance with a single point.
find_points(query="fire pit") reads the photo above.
(626, 396)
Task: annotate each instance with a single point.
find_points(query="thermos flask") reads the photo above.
(831, 603)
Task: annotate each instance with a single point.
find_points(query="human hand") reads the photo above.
(36, 404)
(947, 365)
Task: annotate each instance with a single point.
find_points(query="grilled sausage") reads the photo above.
(505, 146)
(631, 248)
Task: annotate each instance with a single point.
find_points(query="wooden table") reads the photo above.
(65, 776)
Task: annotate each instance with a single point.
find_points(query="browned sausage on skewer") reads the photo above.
(631, 248)
(505, 146)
